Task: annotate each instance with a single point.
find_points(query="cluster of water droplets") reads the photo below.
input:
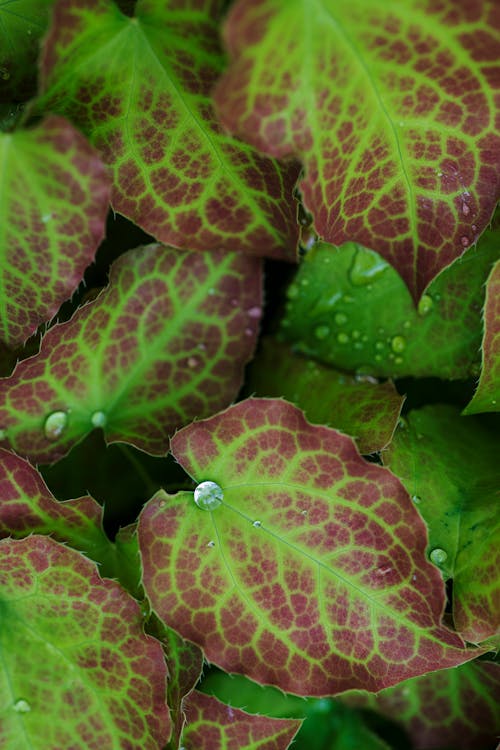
(56, 423)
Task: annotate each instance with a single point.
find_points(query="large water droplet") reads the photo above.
(55, 424)
(425, 304)
(21, 706)
(438, 556)
(208, 496)
(398, 344)
(366, 268)
(98, 419)
(340, 319)
(321, 332)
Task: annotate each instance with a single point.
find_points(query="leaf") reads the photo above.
(139, 88)
(391, 109)
(163, 344)
(64, 627)
(211, 725)
(55, 195)
(487, 395)
(365, 409)
(455, 708)
(22, 23)
(310, 545)
(449, 464)
(348, 308)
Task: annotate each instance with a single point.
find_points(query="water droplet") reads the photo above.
(438, 556)
(384, 570)
(248, 332)
(340, 319)
(161, 504)
(398, 344)
(356, 334)
(98, 419)
(379, 345)
(21, 706)
(465, 209)
(293, 291)
(208, 496)
(398, 361)
(254, 312)
(55, 424)
(416, 499)
(366, 268)
(46, 218)
(342, 338)
(439, 174)
(211, 543)
(305, 282)
(321, 332)
(211, 291)
(303, 512)
(202, 347)
(257, 524)
(465, 241)
(425, 304)
(192, 362)
(378, 358)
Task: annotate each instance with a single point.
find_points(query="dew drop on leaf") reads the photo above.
(425, 304)
(342, 338)
(21, 706)
(438, 556)
(54, 424)
(321, 332)
(98, 419)
(257, 524)
(366, 268)
(416, 499)
(211, 543)
(254, 312)
(398, 344)
(208, 496)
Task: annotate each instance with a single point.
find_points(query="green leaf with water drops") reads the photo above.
(139, 88)
(449, 465)
(487, 395)
(291, 544)
(360, 407)
(77, 670)
(164, 343)
(212, 725)
(452, 708)
(54, 200)
(347, 307)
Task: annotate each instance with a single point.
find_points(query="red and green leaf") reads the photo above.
(448, 464)
(391, 109)
(311, 575)
(141, 93)
(361, 407)
(77, 670)
(163, 344)
(349, 308)
(212, 725)
(55, 195)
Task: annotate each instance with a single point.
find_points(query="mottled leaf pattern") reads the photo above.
(54, 196)
(392, 110)
(360, 407)
(487, 396)
(349, 308)
(165, 343)
(141, 94)
(449, 464)
(212, 725)
(77, 669)
(311, 574)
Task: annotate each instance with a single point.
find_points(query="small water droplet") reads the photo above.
(248, 332)
(465, 241)
(425, 304)
(378, 358)
(98, 419)
(21, 706)
(439, 174)
(379, 345)
(211, 291)
(340, 319)
(211, 543)
(202, 347)
(54, 424)
(474, 227)
(161, 504)
(257, 524)
(398, 361)
(384, 570)
(398, 344)
(342, 338)
(465, 209)
(416, 499)
(208, 495)
(293, 291)
(321, 332)
(304, 282)
(254, 312)
(438, 556)
(356, 334)
(46, 218)
(303, 512)
(414, 578)
(192, 362)
(366, 268)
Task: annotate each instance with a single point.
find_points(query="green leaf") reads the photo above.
(77, 669)
(298, 564)
(487, 395)
(360, 407)
(449, 464)
(212, 725)
(455, 708)
(22, 23)
(139, 88)
(390, 107)
(164, 343)
(54, 199)
(348, 308)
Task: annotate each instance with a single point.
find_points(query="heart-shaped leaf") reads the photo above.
(298, 563)
(165, 343)
(77, 669)
(139, 88)
(391, 108)
(55, 194)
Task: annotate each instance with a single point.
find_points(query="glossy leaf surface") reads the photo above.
(54, 199)
(141, 94)
(362, 408)
(487, 396)
(77, 670)
(392, 110)
(455, 708)
(449, 464)
(212, 725)
(164, 343)
(348, 308)
(305, 569)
